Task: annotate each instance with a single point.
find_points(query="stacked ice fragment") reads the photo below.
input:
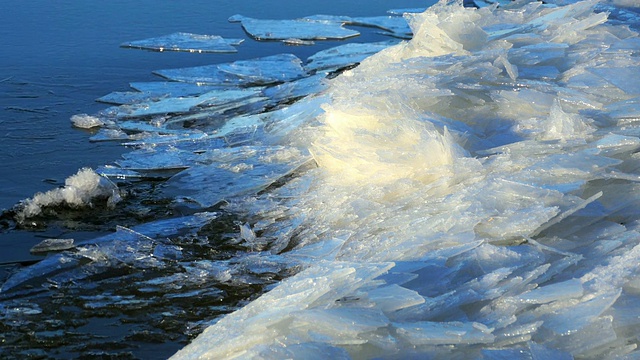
(476, 196)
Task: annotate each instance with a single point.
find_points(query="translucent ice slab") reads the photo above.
(293, 29)
(232, 172)
(181, 41)
(181, 105)
(344, 55)
(262, 71)
(154, 91)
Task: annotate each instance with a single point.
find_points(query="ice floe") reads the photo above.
(187, 42)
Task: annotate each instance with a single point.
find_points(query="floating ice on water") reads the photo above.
(391, 25)
(343, 55)
(181, 41)
(145, 246)
(262, 71)
(52, 245)
(407, 10)
(80, 190)
(302, 29)
(170, 88)
(86, 121)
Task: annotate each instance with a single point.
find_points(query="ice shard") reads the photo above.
(262, 71)
(472, 192)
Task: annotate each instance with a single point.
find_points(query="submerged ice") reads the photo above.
(471, 192)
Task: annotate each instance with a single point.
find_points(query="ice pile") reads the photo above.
(470, 193)
(476, 196)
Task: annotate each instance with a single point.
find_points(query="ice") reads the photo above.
(170, 88)
(302, 29)
(391, 25)
(525, 203)
(619, 76)
(472, 192)
(143, 247)
(188, 42)
(48, 245)
(262, 71)
(233, 172)
(85, 121)
(343, 55)
(80, 190)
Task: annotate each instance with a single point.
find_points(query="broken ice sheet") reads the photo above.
(187, 42)
(395, 26)
(164, 228)
(171, 88)
(260, 71)
(52, 245)
(302, 29)
(344, 55)
(233, 172)
(406, 10)
(176, 105)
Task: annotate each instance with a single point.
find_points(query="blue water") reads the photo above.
(58, 57)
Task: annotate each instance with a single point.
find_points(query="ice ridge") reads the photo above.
(473, 198)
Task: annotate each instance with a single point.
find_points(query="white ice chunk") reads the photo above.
(394, 25)
(619, 76)
(80, 190)
(207, 185)
(343, 55)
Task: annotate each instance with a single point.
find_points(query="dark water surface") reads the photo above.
(58, 57)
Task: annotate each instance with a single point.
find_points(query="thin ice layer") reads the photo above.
(262, 71)
(293, 29)
(187, 42)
